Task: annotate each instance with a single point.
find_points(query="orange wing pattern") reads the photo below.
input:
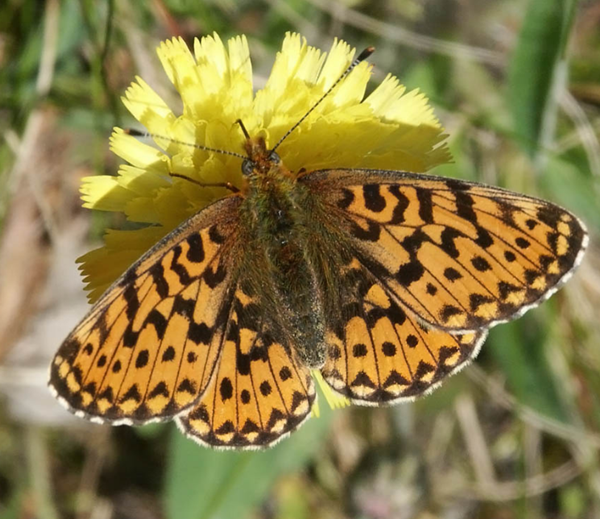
(260, 391)
(460, 256)
(411, 270)
(378, 353)
(148, 348)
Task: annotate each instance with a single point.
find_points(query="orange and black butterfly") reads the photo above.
(385, 281)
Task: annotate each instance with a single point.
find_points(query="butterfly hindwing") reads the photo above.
(378, 353)
(148, 348)
(260, 391)
(460, 255)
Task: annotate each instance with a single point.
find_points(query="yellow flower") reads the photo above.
(389, 129)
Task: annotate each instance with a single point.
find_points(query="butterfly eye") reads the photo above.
(248, 167)
(273, 157)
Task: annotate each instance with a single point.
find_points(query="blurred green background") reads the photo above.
(516, 83)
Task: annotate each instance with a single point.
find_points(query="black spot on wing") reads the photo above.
(233, 333)
(249, 427)
(215, 277)
(187, 386)
(410, 272)
(346, 200)
(245, 396)
(297, 400)
(158, 320)
(102, 328)
(183, 306)
(412, 341)
(400, 207)
(178, 268)
(457, 185)
(451, 274)
(226, 389)
(480, 264)
(548, 215)
(169, 354)
(132, 302)
(195, 253)
(371, 233)
(159, 389)
(248, 316)
(265, 388)
(531, 224)
(285, 373)
(215, 236)
(464, 206)
(388, 349)
(107, 394)
(130, 337)
(128, 278)
(362, 380)
(157, 272)
(359, 350)
(242, 363)
(447, 242)
(414, 241)
(133, 393)
(199, 333)
(449, 311)
(373, 200)
(70, 349)
(142, 359)
(484, 238)
(476, 300)
(425, 205)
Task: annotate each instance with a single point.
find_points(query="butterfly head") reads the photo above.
(260, 160)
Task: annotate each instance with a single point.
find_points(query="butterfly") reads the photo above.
(385, 281)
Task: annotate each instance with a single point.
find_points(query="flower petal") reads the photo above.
(137, 153)
(390, 129)
(104, 193)
(101, 267)
(148, 107)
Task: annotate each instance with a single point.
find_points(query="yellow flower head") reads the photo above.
(389, 129)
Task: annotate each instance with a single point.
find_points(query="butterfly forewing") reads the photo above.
(461, 256)
(148, 348)
(378, 353)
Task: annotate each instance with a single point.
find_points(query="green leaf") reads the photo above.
(568, 185)
(535, 69)
(519, 348)
(204, 483)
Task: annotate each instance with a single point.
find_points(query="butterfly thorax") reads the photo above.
(277, 227)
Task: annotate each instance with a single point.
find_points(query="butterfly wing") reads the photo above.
(149, 346)
(461, 256)
(378, 353)
(260, 392)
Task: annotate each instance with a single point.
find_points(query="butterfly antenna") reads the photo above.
(244, 131)
(138, 133)
(361, 57)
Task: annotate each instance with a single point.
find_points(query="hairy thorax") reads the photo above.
(276, 223)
